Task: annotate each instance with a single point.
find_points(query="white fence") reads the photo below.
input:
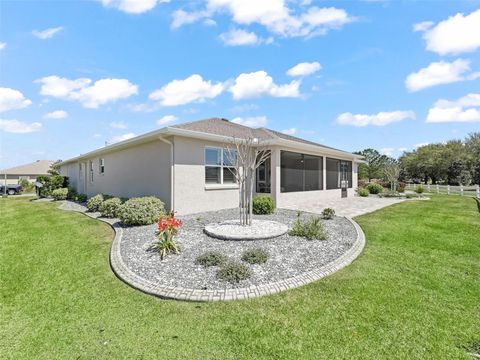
(472, 190)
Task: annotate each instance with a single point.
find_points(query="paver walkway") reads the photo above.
(350, 207)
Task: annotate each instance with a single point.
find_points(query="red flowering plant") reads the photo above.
(168, 227)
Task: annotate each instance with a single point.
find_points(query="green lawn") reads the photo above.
(413, 293)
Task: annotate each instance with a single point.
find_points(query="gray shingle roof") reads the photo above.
(224, 127)
(39, 167)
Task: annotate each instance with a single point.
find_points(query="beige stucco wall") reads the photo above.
(191, 195)
(140, 170)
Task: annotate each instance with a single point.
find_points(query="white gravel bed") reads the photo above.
(288, 255)
(233, 230)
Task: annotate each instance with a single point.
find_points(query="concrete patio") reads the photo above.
(350, 206)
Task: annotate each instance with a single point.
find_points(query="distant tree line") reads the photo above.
(454, 162)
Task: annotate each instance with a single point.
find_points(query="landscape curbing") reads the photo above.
(199, 295)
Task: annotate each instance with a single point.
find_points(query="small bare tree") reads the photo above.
(391, 171)
(245, 156)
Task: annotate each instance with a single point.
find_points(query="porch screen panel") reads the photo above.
(313, 172)
(338, 170)
(300, 172)
(291, 174)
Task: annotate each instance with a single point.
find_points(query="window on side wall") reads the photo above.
(101, 165)
(219, 166)
(91, 171)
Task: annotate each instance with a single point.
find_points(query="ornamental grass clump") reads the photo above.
(234, 272)
(328, 213)
(255, 256)
(211, 258)
(141, 211)
(168, 228)
(311, 229)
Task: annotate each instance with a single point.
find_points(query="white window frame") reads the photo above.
(221, 166)
(101, 166)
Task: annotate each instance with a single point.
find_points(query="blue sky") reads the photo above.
(382, 74)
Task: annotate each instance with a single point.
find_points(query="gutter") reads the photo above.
(172, 171)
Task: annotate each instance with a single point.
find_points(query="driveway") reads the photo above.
(350, 207)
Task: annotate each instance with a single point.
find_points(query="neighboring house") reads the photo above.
(183, 165)
(27, 171)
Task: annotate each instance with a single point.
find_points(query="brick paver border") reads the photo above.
(186, 294)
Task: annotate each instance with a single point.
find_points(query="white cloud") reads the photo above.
(97, 136)
(209, 22)
(90, 96)
(11, 99)
(57, 114)
(458, 34)
(304, 69)
(118, 125)
(441, 72)
(252, 121)
(256, 84)
(47, 33)
(19, 127)
(182, 17)
(123, 137)
(421, 144)
(132, 6)
(244, 107)
(239, 37)
(465, 109)
(380, 119)
(423, 26)
(191, 89)
(291, 131)
(274, 15)
(3, 45)
(167, 119)
(387, 151)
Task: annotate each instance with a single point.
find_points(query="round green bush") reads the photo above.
(374, 188)
(141, 211)
(109, 208)
(81, 198)
(94, 203)
(60, 194)
(211, 258)
(363, 192)
(263, 205)
(328, 213)
(255, 256)
(233, 272)
(419, 189)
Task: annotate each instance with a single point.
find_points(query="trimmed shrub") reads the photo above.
(255, 256)
(50, 183)
(141, 211)
(311, 229)
(80, 198)
(419, 189)
(263, 204)
(328, 213)
(234, 272)
(109, 208)
(211, 258)
(60, 194)
(94, 203)
(374, 188)
(363, 192)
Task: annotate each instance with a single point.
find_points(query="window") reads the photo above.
(91, 171)
(337, 171)
(300, 172)
(219, 166)
(101, 165)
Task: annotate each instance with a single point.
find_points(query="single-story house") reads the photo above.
(185, 166)
(28, 171)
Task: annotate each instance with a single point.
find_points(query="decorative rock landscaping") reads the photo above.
(232, 230)
(292, 261)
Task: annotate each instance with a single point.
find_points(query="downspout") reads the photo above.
(172, 172)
